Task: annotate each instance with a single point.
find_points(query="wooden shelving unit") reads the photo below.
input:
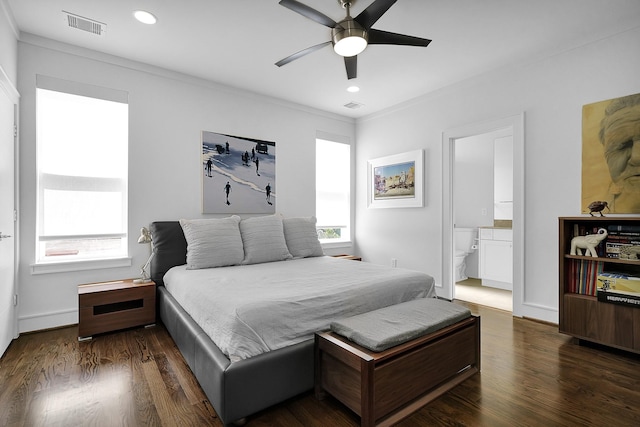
(580, 313)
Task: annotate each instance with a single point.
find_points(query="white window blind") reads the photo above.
(82, 140)
(333, 187)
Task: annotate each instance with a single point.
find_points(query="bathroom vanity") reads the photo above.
(496, 257)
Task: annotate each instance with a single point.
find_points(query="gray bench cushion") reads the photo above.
(386, 327)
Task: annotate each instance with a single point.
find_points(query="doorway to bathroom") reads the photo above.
(494, 261)
(483, 218)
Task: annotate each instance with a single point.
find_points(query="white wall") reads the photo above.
(483, 179)
(474, 188)
(473, 185)
(8, 44)
(167, 113)
(551, 93)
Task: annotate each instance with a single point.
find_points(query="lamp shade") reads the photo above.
(349, 38)
(145, 236)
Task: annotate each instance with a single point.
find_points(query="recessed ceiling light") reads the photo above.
(145, 17)
(353, 89)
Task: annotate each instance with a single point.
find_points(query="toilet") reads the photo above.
(465, 243)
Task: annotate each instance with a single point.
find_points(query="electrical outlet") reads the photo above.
(394, 262)
(483, 211)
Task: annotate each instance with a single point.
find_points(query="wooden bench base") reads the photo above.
(385, 387)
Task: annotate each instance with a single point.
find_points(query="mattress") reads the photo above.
(252, 309)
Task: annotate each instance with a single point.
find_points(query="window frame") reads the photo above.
(49, 181)
(346, 239)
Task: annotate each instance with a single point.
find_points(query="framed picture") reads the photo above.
(609, 165)
(238, 174)
(396, 181)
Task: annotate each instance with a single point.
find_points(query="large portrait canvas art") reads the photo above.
(238, 174)
(610, 156)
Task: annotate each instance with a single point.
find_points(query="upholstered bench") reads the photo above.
(387, 363)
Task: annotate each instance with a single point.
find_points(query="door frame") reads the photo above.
(516, 123)
(14, 96)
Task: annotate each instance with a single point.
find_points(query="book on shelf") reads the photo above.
(613, 249)
(634, 240)
(618, 288)
(622, 249)
(583, 276)
(623, 242)
(624, 235)
(622, 228)
(618, 298)
(619, 282)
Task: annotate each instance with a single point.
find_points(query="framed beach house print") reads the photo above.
(396, 181)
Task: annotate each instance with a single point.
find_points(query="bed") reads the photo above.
(242, 379)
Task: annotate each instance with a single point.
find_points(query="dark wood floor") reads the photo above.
(531, 376)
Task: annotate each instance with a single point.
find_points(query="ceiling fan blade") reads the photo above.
(373, 12)
(385, 37)
(351, 64)
(301, 54)
(308, 12)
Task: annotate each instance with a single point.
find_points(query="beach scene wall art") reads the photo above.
(238, 174)
(396, 181)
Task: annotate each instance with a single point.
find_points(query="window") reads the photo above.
(333, 188)
(82, 138)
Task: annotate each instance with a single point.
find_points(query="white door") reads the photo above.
(7, 223)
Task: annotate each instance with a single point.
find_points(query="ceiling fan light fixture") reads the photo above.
(350, 36)
(349, 39)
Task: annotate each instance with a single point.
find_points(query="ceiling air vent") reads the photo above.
(85, 24)
(353, 105)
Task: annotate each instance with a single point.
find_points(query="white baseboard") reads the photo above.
(37, 322)
(539, 312)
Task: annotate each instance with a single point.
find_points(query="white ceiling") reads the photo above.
(237, 42)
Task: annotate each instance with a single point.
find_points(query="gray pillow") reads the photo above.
(212, 242)
(263, 239)
(301, 237)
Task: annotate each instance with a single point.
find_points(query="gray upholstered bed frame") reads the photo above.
(236, 390)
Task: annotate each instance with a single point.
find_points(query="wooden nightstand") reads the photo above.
(109, 306)
(345, 256)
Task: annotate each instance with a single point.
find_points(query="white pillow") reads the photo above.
(214, 242)
(263, 239)
(302, 237)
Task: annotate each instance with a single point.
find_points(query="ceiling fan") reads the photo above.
(351, 36)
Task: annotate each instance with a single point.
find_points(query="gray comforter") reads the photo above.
(251, 309)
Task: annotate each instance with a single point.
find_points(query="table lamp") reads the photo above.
(145, 237)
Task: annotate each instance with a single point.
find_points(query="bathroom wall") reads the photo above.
(503, 178)
(473, 181)
(473, 188)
